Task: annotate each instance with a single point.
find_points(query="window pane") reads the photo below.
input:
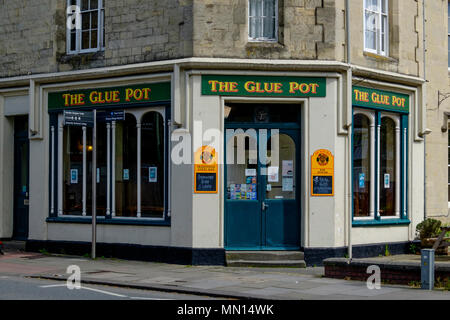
(384, 6)
(94, 20)
(126, 163)
(85, 21)
(361, 166)
(85, 40)
(269, 8)
(73, 171)
(269, 28)
(94, 4)
(244, 150)
(285, 187)
(73, 40)
(371, 40)
(94, 39)
(84, 5)
(152, 165)
(387, 167)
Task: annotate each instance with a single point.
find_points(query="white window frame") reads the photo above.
(379, 22)
(100, 27)
(263, 39)
(111, 193)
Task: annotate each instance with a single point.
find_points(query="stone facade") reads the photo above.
(33, 40)
(33, 35)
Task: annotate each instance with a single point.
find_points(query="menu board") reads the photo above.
(322, 185)
(205, 170)
(205, 182)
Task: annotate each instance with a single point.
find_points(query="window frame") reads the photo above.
(78, 36)
(56, 169)
(379, 20)
(401, 152)
(263, 39)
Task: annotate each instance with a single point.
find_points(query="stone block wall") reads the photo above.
(33, 35)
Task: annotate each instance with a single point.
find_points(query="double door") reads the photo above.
(262, 207)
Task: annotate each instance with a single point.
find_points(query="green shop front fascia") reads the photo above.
(132, 95)
(381, 104)
(263, 86)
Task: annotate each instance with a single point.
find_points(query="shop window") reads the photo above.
(376, 26)
(131, 167)
(85, 26)
(263, 20)
(379, 165)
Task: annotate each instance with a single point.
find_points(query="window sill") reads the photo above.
(382, 222)
(263, 44)
(112, 221)
(379, 57)
(81, 57)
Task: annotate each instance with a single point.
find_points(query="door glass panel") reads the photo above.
(152, 165)
(126, 171)
(281, 182)
(242, 167)
(387, 167)
(361, 166)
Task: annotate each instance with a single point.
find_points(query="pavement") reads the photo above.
(212, 281)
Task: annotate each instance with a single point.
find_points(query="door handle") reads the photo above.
(264, 206)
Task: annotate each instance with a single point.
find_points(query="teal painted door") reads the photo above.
(262, 207)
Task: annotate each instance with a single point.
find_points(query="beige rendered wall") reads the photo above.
(437, 141)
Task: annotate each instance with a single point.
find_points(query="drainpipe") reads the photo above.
(349, 134)
(424, 106)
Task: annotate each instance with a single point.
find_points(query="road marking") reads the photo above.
(104, 292)
(86, 288)
(144, 298)
(53, 285)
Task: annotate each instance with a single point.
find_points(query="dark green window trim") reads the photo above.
(111, 221)
(404, 149)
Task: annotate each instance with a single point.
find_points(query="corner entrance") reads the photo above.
(21, 178)
(262, 206)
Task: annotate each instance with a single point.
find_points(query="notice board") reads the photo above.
(322, 173)
(205, 170)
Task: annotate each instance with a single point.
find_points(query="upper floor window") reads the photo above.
(376, 31)
(85, 26)
(263, 20)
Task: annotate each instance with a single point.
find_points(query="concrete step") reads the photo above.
(265, 259)
(265, 255)
(13, 245)
(272, 264)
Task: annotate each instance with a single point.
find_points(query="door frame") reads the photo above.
(300, 190)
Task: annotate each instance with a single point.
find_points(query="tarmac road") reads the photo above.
(20, 288)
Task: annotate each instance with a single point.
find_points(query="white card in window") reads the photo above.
(152, 174)
(272, 174)
(250, 172)
(288, 168)
(73, 176)
(98, 175)
(387, 181)
(288, 184)
(126, 174)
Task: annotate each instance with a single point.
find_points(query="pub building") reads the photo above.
(194, 162)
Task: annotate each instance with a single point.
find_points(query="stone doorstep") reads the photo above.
(261, 263)
(13, 245)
